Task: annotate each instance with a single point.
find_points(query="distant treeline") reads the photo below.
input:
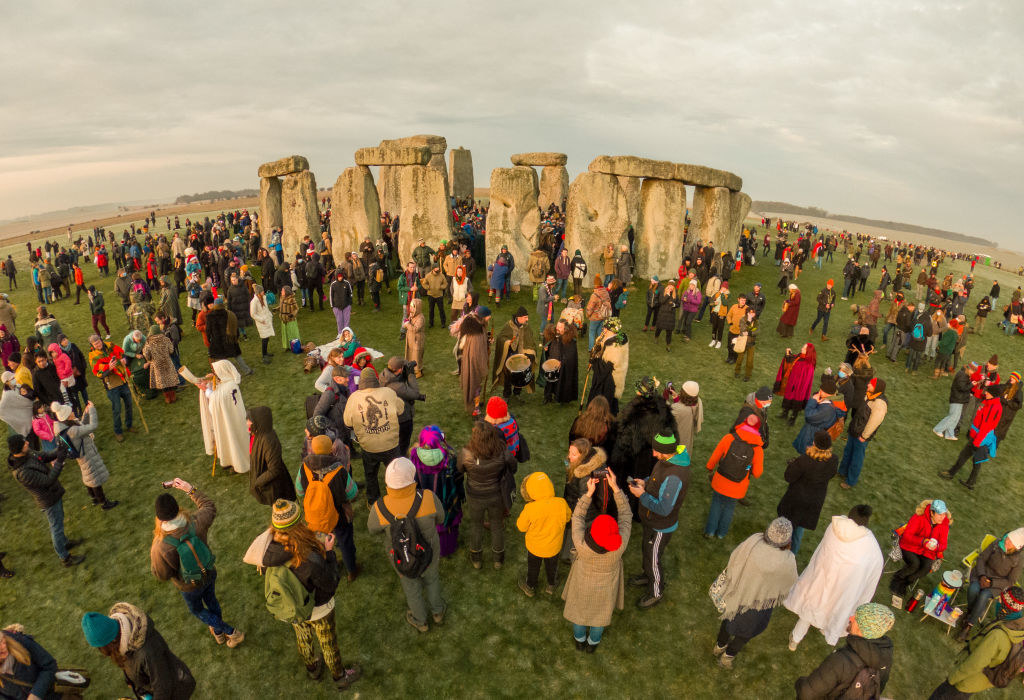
(214, 195)
(794, 210)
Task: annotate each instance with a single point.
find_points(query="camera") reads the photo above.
(167, 484)
(600, 473)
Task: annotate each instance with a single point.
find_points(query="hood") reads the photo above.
(876, 653)
(538, 486)
(847, 530)
(386, 376)
(321, 464)
(587, 466)
(925, 508)
(226, 371)
(262, 419)
(134, 626)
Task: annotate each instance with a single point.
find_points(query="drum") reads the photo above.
(520, 370)
(551, 369)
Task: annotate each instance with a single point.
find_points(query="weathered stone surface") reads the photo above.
(658, 242)
(740, 206)
(711, 220)
(703, 176)
(389, 189)
(460, 173)
(424, 211)
(284, 166)
(631, 188)
(554, 186)
(632, 166)
(270, 206)
(539, 158)
(397, 155)
(595, 216)
(355, 211)
(437, 144)
(299, 213)
(513, 217)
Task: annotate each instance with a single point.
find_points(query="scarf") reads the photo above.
(171, 525)
(759, 577)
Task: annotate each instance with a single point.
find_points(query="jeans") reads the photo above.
(719, 515)
(798, 537)
(560, 286)
(885, 333)
(342, 316)
(594, 330)
(426, 586)
(947, 426)
(913, 359)
(344, 533)
(55, 516)
(608, 279)
(853, 460)
(371, 465)
(733, 645)
(977, 601)
(705, 302)
(847, 286)
(593, 637)
(118, 395)
(98, 320)
(202, 602)
(822, 316)
(688, 323)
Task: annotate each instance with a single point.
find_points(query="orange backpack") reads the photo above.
(321, 515)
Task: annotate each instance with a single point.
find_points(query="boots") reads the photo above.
(477, 559)
(170, 395)
(499, 559)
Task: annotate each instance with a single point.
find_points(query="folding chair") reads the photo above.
(969, 561)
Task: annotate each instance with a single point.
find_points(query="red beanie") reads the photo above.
(496, 407)
(605, 532)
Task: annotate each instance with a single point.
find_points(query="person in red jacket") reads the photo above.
(922, 541)
(981, 442)
(986, 375)
(738, 457)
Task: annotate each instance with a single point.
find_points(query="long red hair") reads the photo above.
(810, 354)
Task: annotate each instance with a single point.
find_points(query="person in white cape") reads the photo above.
(222, 413)
(842, 574)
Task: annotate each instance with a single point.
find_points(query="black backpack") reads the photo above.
(866, 685)
(410, 552)
(737, 460)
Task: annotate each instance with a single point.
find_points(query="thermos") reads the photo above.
(916, 601)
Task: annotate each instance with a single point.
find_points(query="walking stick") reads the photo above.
(134, 393)
(213, 471)
(586, 383)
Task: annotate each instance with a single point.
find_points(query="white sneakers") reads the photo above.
(712, 343)
(718, 343)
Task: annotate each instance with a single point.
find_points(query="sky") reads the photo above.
(905, 111)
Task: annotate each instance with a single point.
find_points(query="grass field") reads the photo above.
(495, 642)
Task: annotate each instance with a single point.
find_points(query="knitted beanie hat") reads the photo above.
(285, 514)
(1015, 375)
(166, 507)
(874, 620)
(400, 473)
(496, 408)
(368, 379)
(822, 440)
(665, 442)
(994, 360)
(1013, 599)
(321, 445)
(779, 532)
(828, 383)
(1016, 537)
(605, 532)
(99, 630)
(763, 394)
(317, 425)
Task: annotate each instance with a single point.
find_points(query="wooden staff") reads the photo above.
(135, 396)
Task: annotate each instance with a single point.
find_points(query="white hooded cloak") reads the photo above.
(222, 413)
(842, 574)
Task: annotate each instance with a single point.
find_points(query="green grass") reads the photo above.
(495, 642)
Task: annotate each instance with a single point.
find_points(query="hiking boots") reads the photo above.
(351, 676)
(725, 661)
(499, 559)
(419, 626)
(477, 559)
(235, 638)
(316, 671)
(221, 638)
(526, 588)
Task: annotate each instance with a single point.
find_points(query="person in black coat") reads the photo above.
(32, 668)
(640, 421)
(1010, 397)
(866, 647)
(79, 391)
(269, 479)
(808, 476)
(222, 332)
(238, 298)
(665, 317)
(560, 344)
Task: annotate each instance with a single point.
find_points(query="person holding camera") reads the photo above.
(400, 377)
(660, 497)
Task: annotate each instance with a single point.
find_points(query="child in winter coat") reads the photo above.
(42, 426)
(65, 370)
(543, 520)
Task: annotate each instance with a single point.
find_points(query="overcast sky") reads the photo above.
(897, 110)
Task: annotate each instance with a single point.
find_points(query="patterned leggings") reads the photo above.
(328, 638)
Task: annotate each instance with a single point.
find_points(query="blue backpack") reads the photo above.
(918, 332)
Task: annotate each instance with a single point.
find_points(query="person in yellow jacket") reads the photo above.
(543, 520)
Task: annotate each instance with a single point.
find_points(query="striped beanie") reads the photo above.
(285, 514)
(874, 620)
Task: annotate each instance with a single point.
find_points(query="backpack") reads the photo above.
(918, 332)
(194, 557)
(64, 439)
(1003, 673)
(410, 552)
(736, 462)
(866, 685)
(287, 599)
(318, 503)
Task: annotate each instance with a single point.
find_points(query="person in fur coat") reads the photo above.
(643, 418)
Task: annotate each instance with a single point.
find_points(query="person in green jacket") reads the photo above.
(944, 352)
(986, 650)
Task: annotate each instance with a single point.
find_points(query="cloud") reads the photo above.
(906, 111)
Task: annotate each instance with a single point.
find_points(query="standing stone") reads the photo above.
(389, 189)
(299, 212)
(513, 217)
(355, 211)
(389, 184)
(460, 173)
(740, 206)
(658, 243)
(270, 206)
(554, 186)
(711, 221)
(595, 216)
(424, 213)
(631, 188)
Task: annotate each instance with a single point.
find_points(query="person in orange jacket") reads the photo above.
(79, 282)
(737, 457)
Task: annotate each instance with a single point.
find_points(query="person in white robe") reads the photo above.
(842, 574)
(222, 413)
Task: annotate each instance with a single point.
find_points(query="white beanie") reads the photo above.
(400, 473)
(691, 388)
(61, 410)
(1016, 537)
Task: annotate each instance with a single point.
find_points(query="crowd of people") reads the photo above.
(627, 465)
